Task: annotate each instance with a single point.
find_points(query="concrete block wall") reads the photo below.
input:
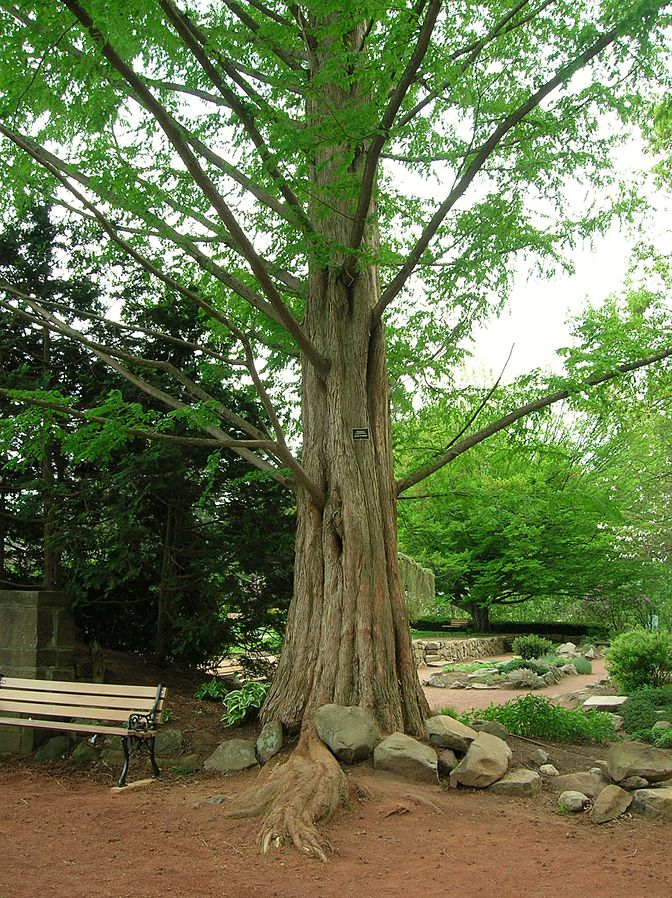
(37, 640)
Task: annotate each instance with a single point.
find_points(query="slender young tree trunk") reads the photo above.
(347, 638)
(166, 585)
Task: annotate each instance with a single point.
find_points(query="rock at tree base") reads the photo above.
(521, 783)
(232, 756)
(610, 803)
(447, 761)
(587, 783)
(349, 732)
(494, 727)
(54, 748)
(485, 762)
(168, 741)
(573, 801)
(656, 803)
(269, 741)
(407, 757)
(446, 732)
(627, 759)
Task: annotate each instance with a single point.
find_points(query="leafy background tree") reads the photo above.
(152, 540)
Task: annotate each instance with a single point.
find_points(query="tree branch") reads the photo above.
(510, 122)
(529, 408)
(165, 121)
(196, 42)
(386, 123)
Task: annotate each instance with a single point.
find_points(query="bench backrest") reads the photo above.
(61, 699)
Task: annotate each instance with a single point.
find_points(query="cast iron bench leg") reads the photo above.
(155, 766)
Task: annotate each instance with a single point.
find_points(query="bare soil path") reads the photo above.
(65, 834)
(74, 838)
(465, 699)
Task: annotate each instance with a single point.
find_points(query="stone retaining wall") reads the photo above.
(425, 650)
(37, 641)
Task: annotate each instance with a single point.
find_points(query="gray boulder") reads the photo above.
(446, 732)
(521, 783)
(54, 748)
(494, 727)
(632, 783)
(656, 803)
(539, 757)
(567, 648)
(168, 742)
(523, 679)
(232, 756)
(573, 801)
(636, 759)
(549, 770)
(610, 803)
(349, 732)
(269, 741)
(406, 757)
(587, 783)
(447, 761)
(485, 762)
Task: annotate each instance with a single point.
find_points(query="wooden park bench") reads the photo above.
(456, 624)
(132, 712)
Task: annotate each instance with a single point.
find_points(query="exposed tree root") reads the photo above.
(307, 789)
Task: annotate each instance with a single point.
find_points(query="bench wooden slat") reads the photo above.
(88, 711)
(78, 688)
(52, 705)
(130, 702)
(98, 729)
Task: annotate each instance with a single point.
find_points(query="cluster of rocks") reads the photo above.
(522, 678)
(634, 777)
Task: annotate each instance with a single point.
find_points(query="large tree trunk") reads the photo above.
(347, 639)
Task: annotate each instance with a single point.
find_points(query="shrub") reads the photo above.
(644, 708)
(531, 646)
(521, 664)
(537, 718)
(662, 738)
(582, 665)
(238, 702)
(641, 658)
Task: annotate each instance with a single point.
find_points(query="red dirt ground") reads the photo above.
(66, 834)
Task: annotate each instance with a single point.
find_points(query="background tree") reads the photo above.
(524, 520)
(255, 158)
(151, 541)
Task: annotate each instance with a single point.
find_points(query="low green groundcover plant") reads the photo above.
(239, 702)
(582, 665)
(214, 689)
(532, 646)
(645, 707)
(641, 658)
(537, 718)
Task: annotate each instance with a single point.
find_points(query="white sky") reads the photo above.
(535, 319)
